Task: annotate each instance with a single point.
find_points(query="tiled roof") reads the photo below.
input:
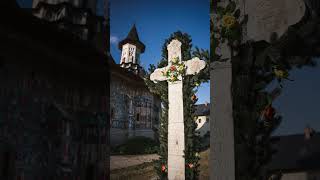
(295, 153)
(202, 110)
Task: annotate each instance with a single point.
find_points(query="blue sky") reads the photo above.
(299, 103)
(155, 21)
(25, 3)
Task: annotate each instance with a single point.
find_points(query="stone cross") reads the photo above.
(176, 142)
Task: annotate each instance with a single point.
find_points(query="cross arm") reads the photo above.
(157, 75)
(194, 66)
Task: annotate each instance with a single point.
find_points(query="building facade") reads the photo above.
(202, 118)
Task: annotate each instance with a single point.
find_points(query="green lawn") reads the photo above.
(146, 171)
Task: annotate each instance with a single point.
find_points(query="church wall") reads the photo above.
(145, 132)
(137, 120)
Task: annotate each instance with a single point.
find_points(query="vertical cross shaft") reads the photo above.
(176, 161)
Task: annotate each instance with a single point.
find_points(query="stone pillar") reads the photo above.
(222, 154)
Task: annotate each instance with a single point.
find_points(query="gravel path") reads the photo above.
(123, 161)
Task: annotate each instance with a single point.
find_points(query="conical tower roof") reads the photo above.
(133, 38)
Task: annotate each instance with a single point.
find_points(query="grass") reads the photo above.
(146, 171)
(204, 165)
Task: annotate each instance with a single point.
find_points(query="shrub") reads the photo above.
(137, 145)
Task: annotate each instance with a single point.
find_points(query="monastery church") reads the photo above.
(135, 111)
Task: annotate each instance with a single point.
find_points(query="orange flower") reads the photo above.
(163, 168)
(173, 68)
(194, 97)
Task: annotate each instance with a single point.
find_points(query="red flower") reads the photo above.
(190, 165)
(163, 168)
(173, 68)
(269, 112)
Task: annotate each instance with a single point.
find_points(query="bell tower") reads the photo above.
(131, 48)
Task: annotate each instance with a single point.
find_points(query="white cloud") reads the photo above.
(114, 39)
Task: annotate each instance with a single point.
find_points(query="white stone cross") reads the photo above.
(176, 143)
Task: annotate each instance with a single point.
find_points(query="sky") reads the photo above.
(25, 3)
(299, 103)
(156, 20)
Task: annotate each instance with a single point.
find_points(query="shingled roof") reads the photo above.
(295, 153)
(133, 38)
(202, 110)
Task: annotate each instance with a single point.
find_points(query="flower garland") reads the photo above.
(176, 70)
(227, 26)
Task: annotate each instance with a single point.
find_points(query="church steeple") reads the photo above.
(133, 38)
(131, 48)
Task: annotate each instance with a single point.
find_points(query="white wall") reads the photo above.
(203, 126)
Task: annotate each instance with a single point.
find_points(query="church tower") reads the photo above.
(131, 48)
